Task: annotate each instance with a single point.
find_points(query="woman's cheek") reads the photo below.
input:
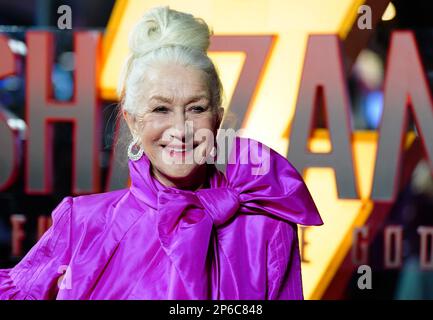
(153, 130)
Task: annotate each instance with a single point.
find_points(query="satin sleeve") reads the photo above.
(284, 264)
(36, 276)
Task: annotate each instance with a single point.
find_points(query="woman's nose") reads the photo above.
(181, 129)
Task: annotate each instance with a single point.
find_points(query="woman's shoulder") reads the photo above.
(82, 219)
(88, 208)
(98, 200)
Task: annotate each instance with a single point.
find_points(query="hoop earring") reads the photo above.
(133, 147)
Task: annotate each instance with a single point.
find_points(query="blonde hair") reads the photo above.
(166, 35)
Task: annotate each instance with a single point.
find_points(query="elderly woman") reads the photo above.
(183, 229)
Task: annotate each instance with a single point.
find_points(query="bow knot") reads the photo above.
(182, 208)
(220, 203)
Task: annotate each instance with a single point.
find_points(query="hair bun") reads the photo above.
(162, 26)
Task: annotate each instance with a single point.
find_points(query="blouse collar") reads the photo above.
(145, 187)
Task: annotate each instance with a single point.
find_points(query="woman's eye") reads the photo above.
(198, 109)
(160, 109)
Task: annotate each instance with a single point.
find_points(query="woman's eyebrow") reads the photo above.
(198, 98)
(170, 100)
(161, 98)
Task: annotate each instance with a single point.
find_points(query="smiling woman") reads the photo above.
(171, 96)
(183, 229)
(175, 106)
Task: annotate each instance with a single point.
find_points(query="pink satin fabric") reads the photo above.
(236, 239)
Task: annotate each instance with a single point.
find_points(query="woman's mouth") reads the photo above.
(179, 151)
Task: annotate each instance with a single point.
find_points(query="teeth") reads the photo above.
(177, 150)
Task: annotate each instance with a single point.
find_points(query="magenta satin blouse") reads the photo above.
(236, 239)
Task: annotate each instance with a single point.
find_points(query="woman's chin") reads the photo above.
(180, 171)
(179, 174)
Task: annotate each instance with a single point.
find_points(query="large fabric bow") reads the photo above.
(269, 185)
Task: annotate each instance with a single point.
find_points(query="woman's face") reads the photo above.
(176, 123)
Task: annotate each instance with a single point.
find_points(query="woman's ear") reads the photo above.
(130, 121)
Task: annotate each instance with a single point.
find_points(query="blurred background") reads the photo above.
(20, 213)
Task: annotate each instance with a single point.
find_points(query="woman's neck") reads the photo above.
(196, 181)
